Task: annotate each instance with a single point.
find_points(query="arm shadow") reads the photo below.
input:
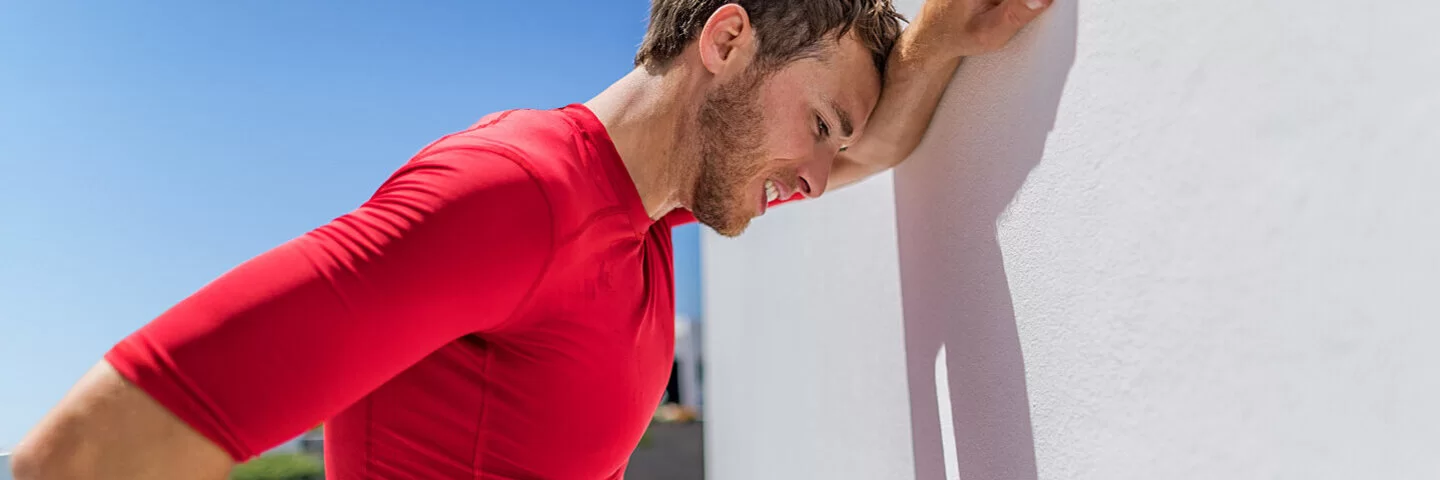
(969, 409)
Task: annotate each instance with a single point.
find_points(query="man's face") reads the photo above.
(764, 136)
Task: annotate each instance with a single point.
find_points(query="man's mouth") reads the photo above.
(772, 191)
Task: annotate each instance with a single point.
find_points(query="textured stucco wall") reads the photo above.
(1157, 239)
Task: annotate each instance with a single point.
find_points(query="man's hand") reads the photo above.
(920, 67)
(963, 28)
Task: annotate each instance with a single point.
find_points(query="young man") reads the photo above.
(502, 306)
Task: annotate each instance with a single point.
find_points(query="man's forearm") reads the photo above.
(915, 79)
(921, 65)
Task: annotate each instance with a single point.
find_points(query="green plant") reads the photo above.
(286, 466)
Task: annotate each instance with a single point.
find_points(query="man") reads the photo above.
(502, 307)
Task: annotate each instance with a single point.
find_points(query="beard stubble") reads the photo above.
(729, 140)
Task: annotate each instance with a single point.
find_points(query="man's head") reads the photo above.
(787, 84)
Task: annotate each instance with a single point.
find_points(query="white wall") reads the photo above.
(1158, 239)
(804, 356)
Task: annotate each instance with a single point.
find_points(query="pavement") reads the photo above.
(673, 451)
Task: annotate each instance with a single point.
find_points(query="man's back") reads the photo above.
(501, 308)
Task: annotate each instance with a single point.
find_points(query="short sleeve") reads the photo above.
(452, 244)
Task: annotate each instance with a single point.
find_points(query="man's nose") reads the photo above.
(814, 175)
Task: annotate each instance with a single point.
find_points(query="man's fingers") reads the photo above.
(1002, 22)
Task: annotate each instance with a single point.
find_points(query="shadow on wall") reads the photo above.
(970, 415)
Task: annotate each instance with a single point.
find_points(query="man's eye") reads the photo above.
(822, 127)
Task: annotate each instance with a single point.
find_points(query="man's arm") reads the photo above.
(920, 66)
(450, 245)
(108, 428)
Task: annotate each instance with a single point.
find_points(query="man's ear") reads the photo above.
(727, 43)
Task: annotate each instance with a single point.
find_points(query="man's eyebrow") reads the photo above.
(847, 129)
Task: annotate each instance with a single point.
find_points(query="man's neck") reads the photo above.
(643, 114)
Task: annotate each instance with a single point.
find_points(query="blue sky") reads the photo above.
(146, 147)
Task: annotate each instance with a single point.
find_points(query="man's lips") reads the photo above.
(764, 199)
(772, 190)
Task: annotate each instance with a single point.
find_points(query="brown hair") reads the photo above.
(787, 29)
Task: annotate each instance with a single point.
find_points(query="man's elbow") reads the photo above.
(70, 454)
(107, 428)
(29, 463)
(61, 446)
(25, 466)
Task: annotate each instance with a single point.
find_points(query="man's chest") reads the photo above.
(589, 369)
(566, 394)
(567, 403)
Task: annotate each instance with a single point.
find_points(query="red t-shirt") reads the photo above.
(501, 308)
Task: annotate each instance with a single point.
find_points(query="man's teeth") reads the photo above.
(771, 191)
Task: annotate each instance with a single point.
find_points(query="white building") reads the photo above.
(311, 442)
(1151, 239)
(5, 467)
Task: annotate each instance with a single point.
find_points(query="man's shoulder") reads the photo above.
(547, 145)
(527, 136)
(539, 141)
